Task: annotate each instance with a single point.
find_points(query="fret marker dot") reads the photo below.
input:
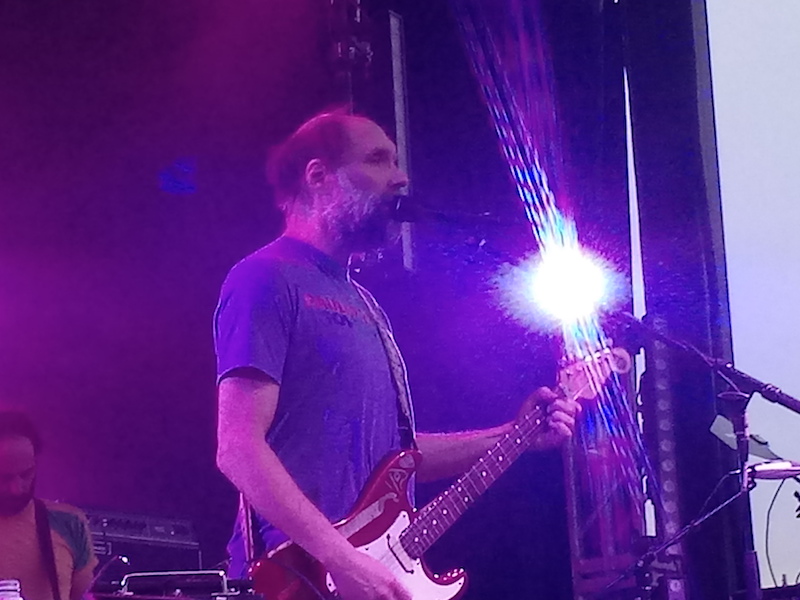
(483, 473)
(416, 539)
(444, 512)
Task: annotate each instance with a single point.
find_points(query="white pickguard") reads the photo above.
(408, 571)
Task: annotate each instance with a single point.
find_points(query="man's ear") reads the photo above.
(315, 174)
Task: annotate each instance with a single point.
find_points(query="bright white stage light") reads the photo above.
(567, 284)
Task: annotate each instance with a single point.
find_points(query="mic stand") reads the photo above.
(738, 380)
(742, 388)
(641, 568)
(739, 400)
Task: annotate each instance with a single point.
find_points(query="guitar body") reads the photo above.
(381, 514)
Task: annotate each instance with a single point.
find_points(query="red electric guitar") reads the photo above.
(385, 525)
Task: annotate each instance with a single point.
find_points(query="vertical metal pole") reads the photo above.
(683, 264)
(401, 120)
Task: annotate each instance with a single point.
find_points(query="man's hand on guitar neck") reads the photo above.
(561, 415)
(361, 577)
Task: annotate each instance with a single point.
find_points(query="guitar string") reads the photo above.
(461, 486)
(522, 436)
(468, 477)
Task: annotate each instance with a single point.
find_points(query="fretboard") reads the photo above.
(442, 512)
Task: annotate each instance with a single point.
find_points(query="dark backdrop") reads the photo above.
(131, 179)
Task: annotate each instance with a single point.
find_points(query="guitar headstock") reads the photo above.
(584, 378)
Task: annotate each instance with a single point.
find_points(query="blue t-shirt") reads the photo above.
(290, 311)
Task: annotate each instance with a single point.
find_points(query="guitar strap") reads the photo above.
(405, 411)
(46, 545)
(246, 515)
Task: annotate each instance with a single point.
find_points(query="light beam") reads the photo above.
(567, 284)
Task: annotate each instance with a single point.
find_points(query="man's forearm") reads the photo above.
(260, 475)
(450, 454)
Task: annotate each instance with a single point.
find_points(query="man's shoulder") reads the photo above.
(273, 259)
(261, 267)
(71, 524)
(283, 263)
(63, 507)
(64, 513)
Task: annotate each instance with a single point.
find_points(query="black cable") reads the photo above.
(766, 536)
(715, 490)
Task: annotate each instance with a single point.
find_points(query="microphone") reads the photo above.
(408, 209)
(405, 210)
(744, 381)
(775, 469)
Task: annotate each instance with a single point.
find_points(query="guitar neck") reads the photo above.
(438, 515)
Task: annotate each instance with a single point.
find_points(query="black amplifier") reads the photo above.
(148, 543)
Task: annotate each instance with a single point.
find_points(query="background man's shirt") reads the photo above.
(20, 555)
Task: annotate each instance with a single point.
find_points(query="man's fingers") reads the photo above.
(566, 406)
(544, 394)
(563, 430)
(554, 401)
(561, 418)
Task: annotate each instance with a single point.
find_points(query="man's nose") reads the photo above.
(399, 180)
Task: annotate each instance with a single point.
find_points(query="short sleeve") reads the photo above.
(85, 558)
(254, 319)
(72, 526)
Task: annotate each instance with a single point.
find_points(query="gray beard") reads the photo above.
(358, 220)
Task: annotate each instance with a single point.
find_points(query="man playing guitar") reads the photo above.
(312, 390)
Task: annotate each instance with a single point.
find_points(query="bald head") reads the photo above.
(336, 179)
(324, 137)
(334, 139)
